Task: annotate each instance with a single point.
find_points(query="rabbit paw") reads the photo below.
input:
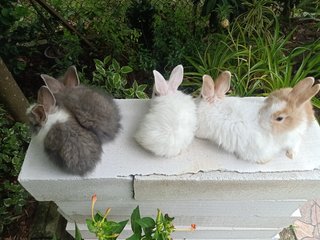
(263, 161)
(290, 153)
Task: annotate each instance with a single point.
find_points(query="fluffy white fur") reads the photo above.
(237, 130)
(59, 115)
(169, 126)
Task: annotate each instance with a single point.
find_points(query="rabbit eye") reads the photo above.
(279, 119)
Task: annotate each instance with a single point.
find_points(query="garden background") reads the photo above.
(115, 45)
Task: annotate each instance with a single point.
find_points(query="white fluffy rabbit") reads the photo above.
(255, 130)
(169, 126)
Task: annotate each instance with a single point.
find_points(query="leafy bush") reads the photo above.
(12, 31)
(110, 76)
(14, 139)
(259, 64)
(145, 228)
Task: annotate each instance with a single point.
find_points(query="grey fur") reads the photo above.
(93, 109)
(67, 143)
(72, 147)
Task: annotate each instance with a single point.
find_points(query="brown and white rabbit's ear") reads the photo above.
(208, 89)
(222, 84)
(176, 78)
(303, 91)
(46, 98)
(70, 78)
(160, 84)
(39, 114)
(53, 84)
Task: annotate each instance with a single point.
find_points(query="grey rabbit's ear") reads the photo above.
(70, 78)
(39, 113)
(53, 84)
(46, 98)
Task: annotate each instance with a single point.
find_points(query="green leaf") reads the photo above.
(78, 234)
(99, 63)
(141, 95)
(134, 237)
(126, 69)
(135, 85)
(142, 87)
(101, 70)
(121, 226)
(116, 79)
(146, 222)
(128, 93)
(136, 228)
(115, 65)
(107, 59)
(98, 217)
(90, 225)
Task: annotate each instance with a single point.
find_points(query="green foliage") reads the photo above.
(259, 64)
(149, 229)
(105, 229)
(176, 33)
(103, 21)
(112, 77)
(258, 18)
(14, 139)
(12, 15)
(145, 228)
(220, 10)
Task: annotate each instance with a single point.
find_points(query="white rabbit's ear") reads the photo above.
(46, 98)
(207, 90)
(70, 78)
(39, 113)
(176, 77)
(223, 83)
(53, 84)
(303, 91)
(160, 84)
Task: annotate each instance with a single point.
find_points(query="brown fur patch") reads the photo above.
(292, 116)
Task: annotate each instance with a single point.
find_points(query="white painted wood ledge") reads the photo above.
(227, 198)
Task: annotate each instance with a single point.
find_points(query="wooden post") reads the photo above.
(11, 95)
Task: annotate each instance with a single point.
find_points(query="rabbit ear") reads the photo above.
(303, 91)
(70, 78)
(53, 84)
(207, 90)
(223, 83)
(46, 98)
(176, 77)
(39, 113)
(160, 84)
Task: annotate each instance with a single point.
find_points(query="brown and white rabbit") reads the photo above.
(93, 109)
(68, 144)
(255, 130)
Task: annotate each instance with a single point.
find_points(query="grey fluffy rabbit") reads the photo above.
(93, 109)
(68, 144)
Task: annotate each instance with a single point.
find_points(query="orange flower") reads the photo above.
(193, 226)
(106, 214)
(93, 202)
